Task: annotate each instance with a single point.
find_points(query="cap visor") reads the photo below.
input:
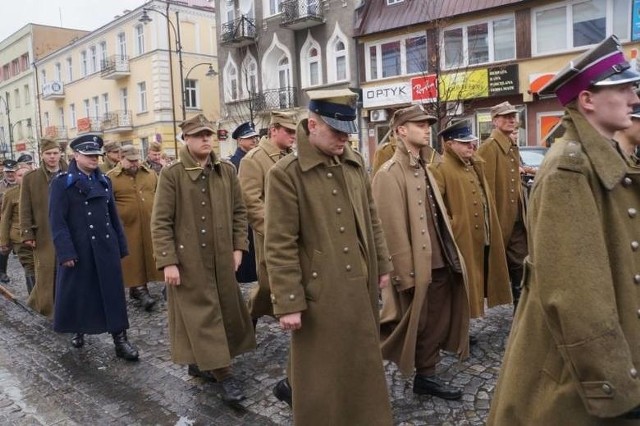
(249, 135)
(466, 139)
(91, 152)
(626, 76)
(199, 129)
(348, 127)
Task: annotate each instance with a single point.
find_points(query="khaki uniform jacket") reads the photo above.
(399, 189)
(461, 192)
(10, 218)
(252, 174)
(134, 200)
(383, 154)
(34, 225)
(325, 251)
(574, 350)
(107, 165)
(198, 220)
(4, 187)
(502, 170)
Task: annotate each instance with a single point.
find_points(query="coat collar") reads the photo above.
(450, 153)
(118, 170)
(310, 157)
(81, 181)
(428, 155)
(193, 168)
(270, 148)
(607, 163)
(503, 140)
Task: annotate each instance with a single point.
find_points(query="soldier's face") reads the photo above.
(114, 156)
(10, 176)
(247, 144)
(200, 144)
(609, 107)
(464, 150)
(324, 137)
(86, 163)
(417, 134)
(633, 133)
(283, 137)
(506, 123)
(154, 156)
(130, 165)
(51, 157)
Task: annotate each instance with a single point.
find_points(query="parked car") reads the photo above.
(530, 158)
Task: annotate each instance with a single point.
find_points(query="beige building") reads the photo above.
(18, 106)
(124, 79)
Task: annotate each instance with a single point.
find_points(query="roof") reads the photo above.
(376, 16)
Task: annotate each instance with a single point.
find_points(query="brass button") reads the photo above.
(203, 190)
(635, 245)
(329, 175)
(164, 253)
(418, 188)
(475, 214)
(202, 218)
(334, 192)
(348, 267)
(292, 297)
(416, 174)
(345, 250)
(203, 203)
(633, 373)
(424, 231)
(632, 212)
(636, 278)
(412, 274)
(638, 312)
(626, 182)
(314, 274)
(181, 246)
(606, 389)
(203, 245)
(203, 231)
(339, 210)
(477, 227)
(342, 229)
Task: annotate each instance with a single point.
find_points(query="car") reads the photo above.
(530, 159)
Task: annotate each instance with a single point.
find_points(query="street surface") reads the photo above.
(44, 381)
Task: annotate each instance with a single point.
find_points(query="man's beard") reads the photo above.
(132, 170)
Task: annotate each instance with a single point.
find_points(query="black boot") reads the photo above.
(432, 385)
(282, 391)
(77, 341)
(124, 349)
(232, 390)
(515, 275)
(141, 293)
(30, 280)
(194, 371)
(4, 278)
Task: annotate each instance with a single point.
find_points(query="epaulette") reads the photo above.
(227, 162)
(287, 160)
(173, 164)
(572, 157)
(388, 164)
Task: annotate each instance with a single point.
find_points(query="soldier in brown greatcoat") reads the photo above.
(476, 229)
(574, 350)
(8, 181)
(326, 259)
(112, 153)
(134, 188)
(155, 160)
(426, 308)
(199, 231)
(34, 224)
(252, 174)
(502, 170)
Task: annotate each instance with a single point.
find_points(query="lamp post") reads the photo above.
(6, 106)
(145, 19)
(211, 73)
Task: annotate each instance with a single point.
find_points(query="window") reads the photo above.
(87, 110)
(96, 107)
(341, 61)
(43, 74)
(337, 54)
(124, 99)
(16, 98)
(15, 65)
(479, 43)
(249, 76)
(57, 71)
(190, 93)
(397, 56)
(6, 72)
(83, 63)
(273, 7)
(574, 24)
(139, 39)
(105, 103)
(390, 2)
(27, 94)
(142, 97)
(311, 63)
(103, 54)
(61, 116)
(122, 44)
(24, 61)
(231, 79)
(47, 123)
(69, 70)
(72, 115)
(93, 59)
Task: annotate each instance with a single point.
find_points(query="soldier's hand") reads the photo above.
(69, 263)
(237, 259)
(30, 243)
(291, 321)
(171, 275)
(383, 280)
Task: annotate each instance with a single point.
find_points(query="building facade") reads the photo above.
(135, 78)
(19, 132)
(273, 51)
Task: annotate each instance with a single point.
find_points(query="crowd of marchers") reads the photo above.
(359, 267)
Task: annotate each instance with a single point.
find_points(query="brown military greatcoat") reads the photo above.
(198, 220)
(461, 187)
(10, 218)
(574, 351)
(134, 200)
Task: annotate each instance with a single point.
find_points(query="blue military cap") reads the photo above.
(243, 131)
(459, 131)
(89, 144)
(336, 107)
(10, 165)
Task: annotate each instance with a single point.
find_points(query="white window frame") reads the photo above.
(105, 103)
(124, 99)
(121, 41)
(247, 74)
(191, 90)
(72, 114)
(103, 53)
(16, 98)
(465, 46)
(47, 122)
(139, 30)
(57, 69)
(228, 79)
(569, 26)
(96, 106)
(61, 116)
(392, 2)
(266, 7)
(307, 60)
(332, 56)
(27, 94)
(69, 69)
(142, 97)
(403, 55)
(93, 60)
(83, 63)
(87, 107)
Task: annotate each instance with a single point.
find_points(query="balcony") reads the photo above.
(115, 67)
(272, 99)
(117, 122)
(88, 125)
(239, 32)
(56, 133)
(301, 14)
(53, 90)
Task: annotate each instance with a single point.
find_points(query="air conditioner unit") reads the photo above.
(378, 115)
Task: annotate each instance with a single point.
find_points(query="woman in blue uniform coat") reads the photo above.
(89, 242)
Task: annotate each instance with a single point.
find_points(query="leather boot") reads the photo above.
(124, 349)
(232, 390)
(282, 391)
(4, 278)
(194, 371)
(30, 280)
(141, 293)
(77, 341)
(433, 385)
(516, 286)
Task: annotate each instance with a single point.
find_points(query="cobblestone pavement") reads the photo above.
(44, 381)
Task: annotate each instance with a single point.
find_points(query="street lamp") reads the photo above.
(6, 106)
(145, 19)
(211, 73)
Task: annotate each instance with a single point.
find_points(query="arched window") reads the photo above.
(249, 76)
(231, 81)
(311, 63)
(337, 54)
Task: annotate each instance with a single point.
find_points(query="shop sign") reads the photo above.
(503, 80)
(424, 89)
(635, 21)
(387, 94)
(539, 80)
(464, 85)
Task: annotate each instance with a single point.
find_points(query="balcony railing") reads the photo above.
(117, 121)
(115, 67)
(53, 90)
(56, 132)
(88, 125)
(283, 98)
(239, 32)
(301, 14)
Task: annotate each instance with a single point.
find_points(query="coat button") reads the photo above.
(203, 245)
(203, 203)
(636, 278)
(419, 202)
(292, 297)
(345, 250)
(421, 216)
(635, 245)
(339, 210)
(86, 203)
(202, 177)
(626, 182)
(203, 231)
(314, 274)
(203, 190)
(418, 188)
(424, 247)
(334, 192)
(348, 267)
(632, 212)
(633, 373)
(606, 389)
(202, 218)
(164, 253)
(181, 246)
(88, 213)
(93, 237)
(342, 229)
(424, 231)
(329, 175)
(107, 235)
(90, 226)
(412, 274)
(416, 174)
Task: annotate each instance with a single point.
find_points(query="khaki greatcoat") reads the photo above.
(325, 251)
(10, 230)
(461, 190)
(574, 350)
(399, 189)
(34, 225)
(252, 175)
(134, 200)
(198, 220)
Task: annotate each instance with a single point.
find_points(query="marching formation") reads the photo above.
(360, 268)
